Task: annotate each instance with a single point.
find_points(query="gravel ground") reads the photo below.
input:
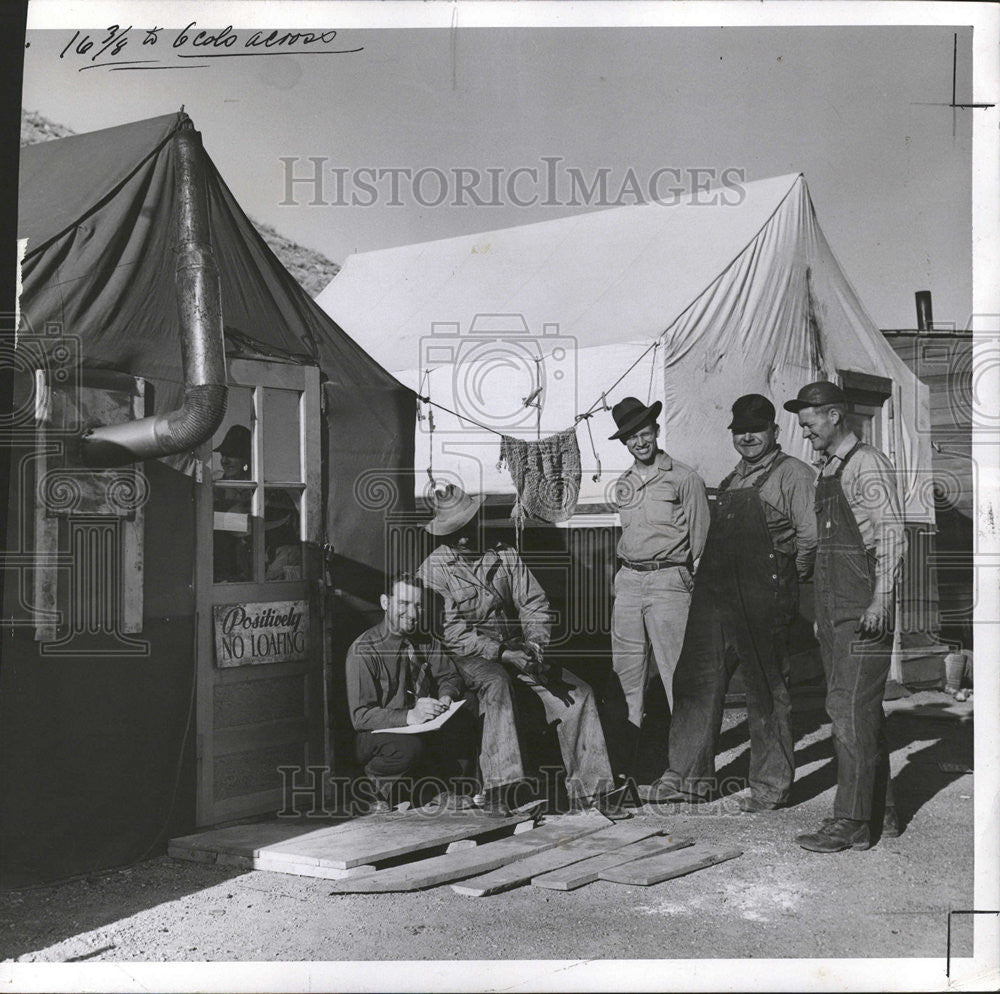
(775, 901)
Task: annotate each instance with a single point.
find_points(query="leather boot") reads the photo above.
(836, 835)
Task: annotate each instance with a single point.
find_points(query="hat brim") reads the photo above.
(794, 406)
(749, 425)
(446, 523)
(650, 413)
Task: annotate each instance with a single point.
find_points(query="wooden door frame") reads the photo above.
(243, 372)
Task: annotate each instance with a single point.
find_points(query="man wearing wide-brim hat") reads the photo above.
(861, 541)
(664, 515)
(761, 543)
(497, 624)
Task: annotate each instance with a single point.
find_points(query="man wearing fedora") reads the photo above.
(761, 543)
(664, 515)
(497, 625)
(861, 542)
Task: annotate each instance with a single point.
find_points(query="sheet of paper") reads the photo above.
(427, 726)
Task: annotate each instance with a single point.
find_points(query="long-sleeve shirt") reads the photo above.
(664, 517)
(789, 499)
(380, 690)
(869, 484)
(489, 601)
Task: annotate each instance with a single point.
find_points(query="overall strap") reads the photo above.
(843, 462)
(761, 480)
(724, 485)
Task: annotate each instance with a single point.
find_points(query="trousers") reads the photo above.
(446, 753)
(650, 614)
(568, 704)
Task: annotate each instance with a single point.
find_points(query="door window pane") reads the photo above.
(282, 458)
(232, 444)
(233, 532)
(282, 533)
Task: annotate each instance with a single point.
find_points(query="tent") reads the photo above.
(101, 752)
(96, 212)
(693, 303)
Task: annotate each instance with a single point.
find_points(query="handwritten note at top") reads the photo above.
(114, 48)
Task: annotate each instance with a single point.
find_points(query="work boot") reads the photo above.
(750, 805)
(890, 823)
(662, 791)
(493, 804)
(836, 835)
(609, 805)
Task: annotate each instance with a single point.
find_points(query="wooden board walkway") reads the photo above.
(339, 850)
(586, 871)
(468, 863)
(653, 869)
(521, 871)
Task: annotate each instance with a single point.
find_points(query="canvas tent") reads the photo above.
(96, 211)
(692, 303)
(101, 752)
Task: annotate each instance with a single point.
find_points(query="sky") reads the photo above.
(856, 109)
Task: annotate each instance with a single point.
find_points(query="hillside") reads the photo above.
(312, 270)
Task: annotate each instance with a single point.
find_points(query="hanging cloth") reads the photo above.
(546, 475)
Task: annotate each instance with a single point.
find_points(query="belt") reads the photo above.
(651, 564)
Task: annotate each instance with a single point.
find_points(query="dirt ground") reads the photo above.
(775, 901)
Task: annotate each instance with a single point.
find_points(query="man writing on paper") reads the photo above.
(396, 679)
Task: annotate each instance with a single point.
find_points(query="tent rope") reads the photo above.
(461, 417)
(601, 400)
(652, 370)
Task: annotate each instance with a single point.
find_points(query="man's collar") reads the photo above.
(661, 461)
(746, 468)
(388, 636)
(846, 444)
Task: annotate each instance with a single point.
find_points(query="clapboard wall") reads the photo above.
(943, 360)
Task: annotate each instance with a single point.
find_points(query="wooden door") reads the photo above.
(260, 650)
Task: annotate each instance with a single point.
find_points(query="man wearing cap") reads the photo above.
(761, 543)
(664, 519)
(861, 542)
(497, 624)
(398, 678)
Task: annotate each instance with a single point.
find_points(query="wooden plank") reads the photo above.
(520, 872)
(653, 869)
(246, 840)
(372, 840)
(586, 872)
(459, 865)
(308, 870)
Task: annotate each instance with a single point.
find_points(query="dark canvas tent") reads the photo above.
(99, 752)
(96, 210)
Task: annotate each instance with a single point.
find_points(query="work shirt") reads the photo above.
(381, 683)
(869, 484)
(665, 517)
(789, 499)
(490, 600)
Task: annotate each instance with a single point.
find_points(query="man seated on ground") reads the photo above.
(397, 677)
(497, 625)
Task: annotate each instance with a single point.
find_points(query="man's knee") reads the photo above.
(399, 755)
(491, 683)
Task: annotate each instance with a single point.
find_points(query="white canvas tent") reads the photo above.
(693, 303)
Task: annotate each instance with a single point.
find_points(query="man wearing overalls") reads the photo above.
(861, 541)
(762, 541)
